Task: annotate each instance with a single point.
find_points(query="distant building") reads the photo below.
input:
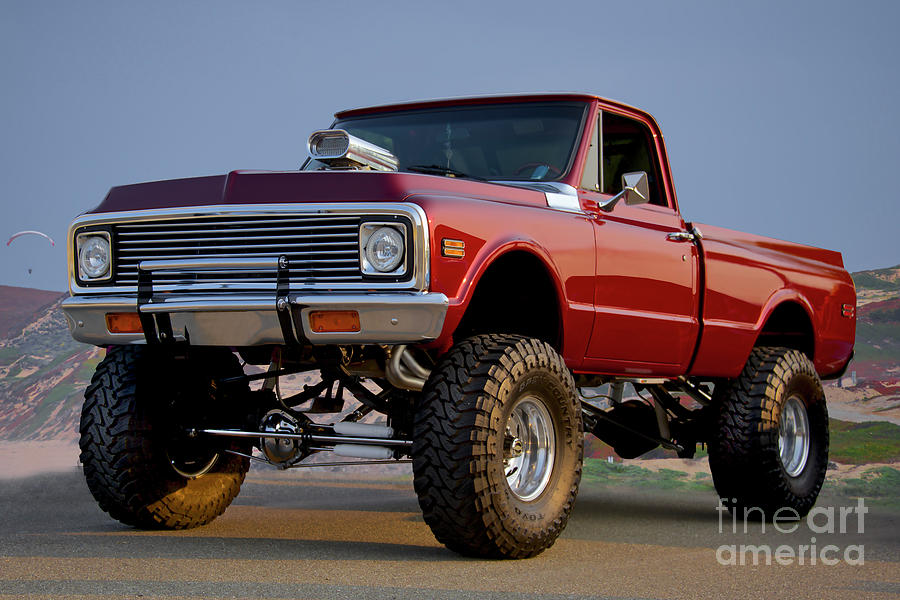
(848, 381)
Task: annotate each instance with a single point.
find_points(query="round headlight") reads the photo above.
(384, 249)
(93, 257)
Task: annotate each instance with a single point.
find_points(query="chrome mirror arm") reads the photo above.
(635, 190)
(610, 204)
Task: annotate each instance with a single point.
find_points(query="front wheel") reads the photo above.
(497, 447)
(139, 465)
(770, 450)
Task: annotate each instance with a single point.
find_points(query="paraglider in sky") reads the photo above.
(30, 232)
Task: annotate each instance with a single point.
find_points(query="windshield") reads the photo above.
(528, 141)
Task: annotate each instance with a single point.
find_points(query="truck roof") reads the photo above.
(474, 100)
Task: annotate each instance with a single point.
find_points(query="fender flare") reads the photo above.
(783, 296)
(487, 257)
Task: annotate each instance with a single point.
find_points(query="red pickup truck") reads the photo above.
(488, 274)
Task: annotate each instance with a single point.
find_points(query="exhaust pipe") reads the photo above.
(404, 372)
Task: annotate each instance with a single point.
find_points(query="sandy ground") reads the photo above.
(860, 405)
(691, 466)
(22, 459)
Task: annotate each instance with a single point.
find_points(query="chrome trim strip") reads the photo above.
(209, 304)
(560, 196)
(421, 244)
(208, 264)
(563, 202)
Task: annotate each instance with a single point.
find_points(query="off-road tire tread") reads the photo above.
(453, 419)
(743, 452)
(121, 455)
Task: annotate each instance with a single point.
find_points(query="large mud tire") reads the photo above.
(486, 388)
(757, 456)
(128, 441)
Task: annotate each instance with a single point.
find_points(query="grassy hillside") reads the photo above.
(878, 279)
(861, 443)
(878, 324)
(43, 373)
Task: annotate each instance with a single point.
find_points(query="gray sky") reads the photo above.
(781, 118)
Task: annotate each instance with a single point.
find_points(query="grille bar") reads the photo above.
(276, 249)
(351, 254)
(242, 230)
(308, 221)
(256, 238)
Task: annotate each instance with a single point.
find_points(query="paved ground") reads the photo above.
(301, 536)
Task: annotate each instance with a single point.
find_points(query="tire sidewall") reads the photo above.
(533, 517)
(807, 388)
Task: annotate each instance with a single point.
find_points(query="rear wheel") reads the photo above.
(770, 450)
(139, 465)
(497, 447)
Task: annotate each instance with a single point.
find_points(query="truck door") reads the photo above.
(646, 287)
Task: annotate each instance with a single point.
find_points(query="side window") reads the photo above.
(627, 147)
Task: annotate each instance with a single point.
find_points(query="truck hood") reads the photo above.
(256, 187)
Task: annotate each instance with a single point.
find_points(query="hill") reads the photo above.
(43, 371)
(877, 358)
(877, 284)
(22, 306)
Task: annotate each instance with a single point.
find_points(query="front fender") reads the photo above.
(562, 242)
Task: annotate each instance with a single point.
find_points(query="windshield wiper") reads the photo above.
(439, 170)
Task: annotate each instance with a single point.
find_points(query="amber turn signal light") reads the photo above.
(124, 323)
(322, 321)
(453, 248)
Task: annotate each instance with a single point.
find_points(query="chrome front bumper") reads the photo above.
(252, 320)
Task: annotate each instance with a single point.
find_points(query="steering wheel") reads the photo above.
(553, 170)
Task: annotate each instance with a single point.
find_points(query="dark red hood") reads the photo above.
(253, 187)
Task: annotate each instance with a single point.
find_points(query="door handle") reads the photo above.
(681, 236)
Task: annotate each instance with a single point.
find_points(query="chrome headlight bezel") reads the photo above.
(366, 231)
(82, 240)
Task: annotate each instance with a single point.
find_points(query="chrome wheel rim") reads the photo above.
(793, 436)
(529, 448)
(192, 467)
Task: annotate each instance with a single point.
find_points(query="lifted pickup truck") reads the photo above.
(466, 268)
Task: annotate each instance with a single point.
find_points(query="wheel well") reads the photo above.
(789, 326)
(515, 294)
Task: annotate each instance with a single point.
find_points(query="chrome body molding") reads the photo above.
(419, 246)
(559, 196)
(245, 320)
(209, 264)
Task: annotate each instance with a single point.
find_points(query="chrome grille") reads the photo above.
(321, 249)
(332, 146)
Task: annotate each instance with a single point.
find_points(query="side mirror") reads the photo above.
(635, 190)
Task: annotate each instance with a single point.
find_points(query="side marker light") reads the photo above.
(453, 248)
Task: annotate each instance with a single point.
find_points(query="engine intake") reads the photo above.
(337, 148)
